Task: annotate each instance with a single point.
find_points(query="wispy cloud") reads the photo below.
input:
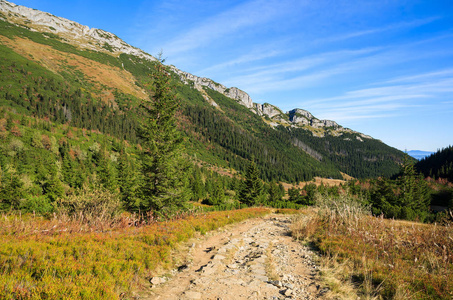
(448, 73)
(361, 33)
(313, 70)
(386, 101)
(298, 73)
(247, 58)
(249, 14)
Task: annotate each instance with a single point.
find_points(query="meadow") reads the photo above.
(66, 258)
(374, 257)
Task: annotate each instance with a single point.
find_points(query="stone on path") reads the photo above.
(192, 295)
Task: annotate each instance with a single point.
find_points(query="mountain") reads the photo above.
(66, 82)
(418, 154)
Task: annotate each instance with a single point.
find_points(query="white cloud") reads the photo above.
(247, 58)
(298, 73)
(361, 33)
(416, 93)
(249, 14)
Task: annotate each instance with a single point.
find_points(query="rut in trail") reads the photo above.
(256, 259)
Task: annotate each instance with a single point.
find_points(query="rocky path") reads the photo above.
(256, 259)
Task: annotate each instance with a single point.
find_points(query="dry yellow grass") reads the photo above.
(382, 259)
(317, 181)
(96, 73)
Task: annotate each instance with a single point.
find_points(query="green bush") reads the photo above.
(38, 204)
(91, 204)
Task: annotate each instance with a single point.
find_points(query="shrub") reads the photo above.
(38, 204)
(91, 204)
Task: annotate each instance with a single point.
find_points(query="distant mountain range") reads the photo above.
(89, 80)
(419, 154)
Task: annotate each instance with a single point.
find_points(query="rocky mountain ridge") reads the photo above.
(99, 40)
(72, 32)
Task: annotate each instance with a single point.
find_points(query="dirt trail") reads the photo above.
(256, 259)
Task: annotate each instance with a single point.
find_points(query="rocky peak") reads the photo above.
(240, 96)
(305, 118)
(233, 93)
(267, 109)
(300, 117)
(297, 113)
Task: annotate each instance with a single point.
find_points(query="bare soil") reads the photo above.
(256, 259)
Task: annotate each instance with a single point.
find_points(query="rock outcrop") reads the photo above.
(233, 93)
(304, 118)
(267, 109)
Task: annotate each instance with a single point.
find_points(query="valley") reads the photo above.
(122, 177)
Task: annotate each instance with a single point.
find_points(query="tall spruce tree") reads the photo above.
(252, 188)
(128, 182)
(274, 192)
(414, 197)
(164, 169)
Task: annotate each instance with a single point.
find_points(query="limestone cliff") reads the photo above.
(233, 93)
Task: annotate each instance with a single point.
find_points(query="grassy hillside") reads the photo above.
(45, 77)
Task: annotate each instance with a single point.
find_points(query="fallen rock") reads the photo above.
(157, 280)
(288, 292)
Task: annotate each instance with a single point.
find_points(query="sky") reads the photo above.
(380, 67)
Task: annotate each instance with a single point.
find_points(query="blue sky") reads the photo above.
(384, 67)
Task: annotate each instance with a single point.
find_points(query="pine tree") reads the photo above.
(164, 168)
(106, 173)
(12, 191)
(128, 183)
(252, 188)
(408, 184)
(197, 185)
(53, 187)
(274, 192)
(415, 198)
(218, 195)
(294, 195)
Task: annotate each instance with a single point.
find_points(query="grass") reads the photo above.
(271, 270)
(58, 259)
(382, 259)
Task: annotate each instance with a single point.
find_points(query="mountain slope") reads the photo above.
(56, 69)
(438, 165)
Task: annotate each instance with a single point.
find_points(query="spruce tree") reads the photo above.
(53, 187)
(164, 169)
(274, 192)
(414, 197)
(128, 183)
(12, 191)
(197, 185)
(252, 188)
(218, 195)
